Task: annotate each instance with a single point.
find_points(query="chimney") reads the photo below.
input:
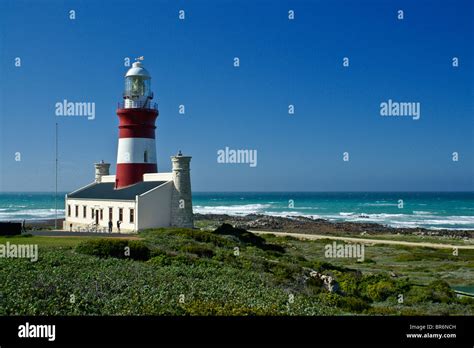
(101, 169)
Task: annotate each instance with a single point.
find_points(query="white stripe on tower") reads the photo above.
(136, 150)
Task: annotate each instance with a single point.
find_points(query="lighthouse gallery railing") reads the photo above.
(130, 104)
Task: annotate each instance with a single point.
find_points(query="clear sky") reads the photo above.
(282, 62)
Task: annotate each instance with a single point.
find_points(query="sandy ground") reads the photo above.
(364, 240)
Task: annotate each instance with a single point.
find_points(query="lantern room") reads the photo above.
(137, 93)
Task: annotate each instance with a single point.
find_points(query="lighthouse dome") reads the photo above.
(138, 70)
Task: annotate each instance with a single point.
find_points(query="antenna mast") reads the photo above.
(56, 188)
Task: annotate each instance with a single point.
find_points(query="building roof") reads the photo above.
(105, 190)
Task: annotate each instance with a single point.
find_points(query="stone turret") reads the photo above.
(181, 200)
(101, 169)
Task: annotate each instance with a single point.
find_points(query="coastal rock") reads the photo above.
(329, 283)
(302, 224)
(265, 222)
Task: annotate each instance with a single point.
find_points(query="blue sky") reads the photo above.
(283, 62)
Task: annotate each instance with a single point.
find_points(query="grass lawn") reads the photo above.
(44, 242)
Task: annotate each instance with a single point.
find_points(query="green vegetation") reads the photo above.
(45, 242)
(226, 272)
(119, 248)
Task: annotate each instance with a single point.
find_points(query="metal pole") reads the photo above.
(56, 190)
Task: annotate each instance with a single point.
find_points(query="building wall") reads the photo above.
(108, 178)
(79, 222)
(158, 176)
(154, 209)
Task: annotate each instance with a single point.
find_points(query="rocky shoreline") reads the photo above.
(302, 224)
(296, 224)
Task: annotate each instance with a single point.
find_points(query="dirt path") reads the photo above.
(365, 240)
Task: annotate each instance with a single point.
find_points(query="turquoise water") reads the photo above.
(430, 210)
(30, 206)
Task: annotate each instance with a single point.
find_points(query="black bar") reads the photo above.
(288, 331)
(10, 228)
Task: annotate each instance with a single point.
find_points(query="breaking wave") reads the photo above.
(30, 214)
(234, 210)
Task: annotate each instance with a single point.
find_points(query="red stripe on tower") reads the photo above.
(137, 123)
(136, 154)
(131, 173)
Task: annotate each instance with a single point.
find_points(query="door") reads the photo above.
(97, 217)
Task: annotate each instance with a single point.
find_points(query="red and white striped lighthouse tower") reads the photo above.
(136, 153)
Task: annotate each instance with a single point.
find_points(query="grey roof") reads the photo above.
(106, 190)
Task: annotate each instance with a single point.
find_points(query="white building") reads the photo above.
(160, 200)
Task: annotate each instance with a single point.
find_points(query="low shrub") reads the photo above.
(284, 272)
(211, 308)
(322, 266)
(380, 286)
(199, 250)
(346, 303)
(382, 310)
(348, 283)
(289, 238)
(157, 252)
(118, 248)
(468, 301)
(381, 290)
(353, 304)
(200, 236)
(161, 260)
(368, 261)
(247, 238)
(440, 291)
(437, 291)
(314, 285)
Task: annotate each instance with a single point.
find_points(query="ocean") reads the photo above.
(444, 210)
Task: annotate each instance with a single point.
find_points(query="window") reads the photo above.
(132, 216)
(102, 214)
(137, 85)
(84, 211)
(68, 210)
(120, 214)
(145, 156)
(77, 210)
(92, 212)
(111, 215)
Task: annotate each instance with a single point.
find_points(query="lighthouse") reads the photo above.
(137, 197)
(136, 154)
